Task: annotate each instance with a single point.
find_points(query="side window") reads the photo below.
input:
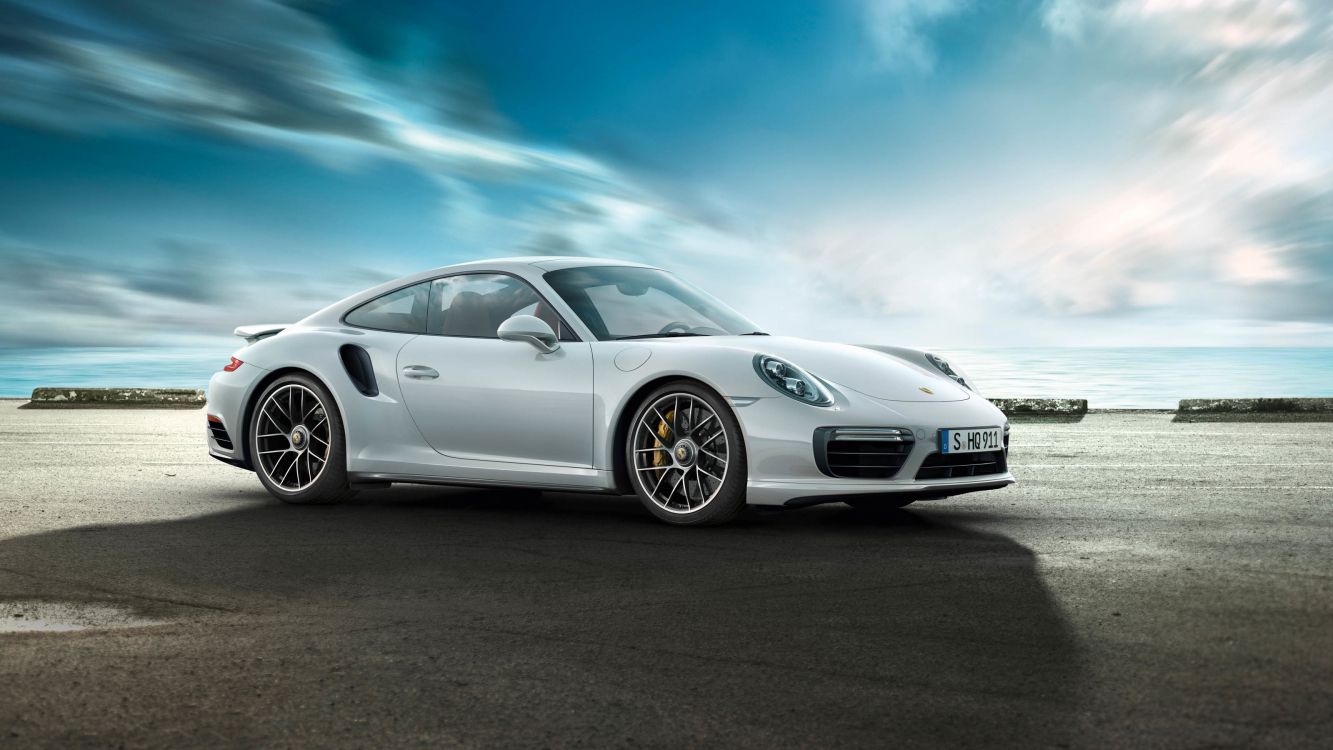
(475, 305)
(403, 311)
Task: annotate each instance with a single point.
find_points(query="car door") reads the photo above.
(476, 397)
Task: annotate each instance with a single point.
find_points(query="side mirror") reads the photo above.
(530, 329)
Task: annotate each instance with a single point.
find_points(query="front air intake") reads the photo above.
(956, 465)
(862, 452)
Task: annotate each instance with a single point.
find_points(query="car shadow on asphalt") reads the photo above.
(501, 619)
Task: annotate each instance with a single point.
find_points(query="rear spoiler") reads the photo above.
(254, 333)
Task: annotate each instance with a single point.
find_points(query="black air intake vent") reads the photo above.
(357, 364)
(955, 465)
(219, 433)
(862, 452)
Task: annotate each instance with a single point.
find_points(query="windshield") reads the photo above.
(621, 302)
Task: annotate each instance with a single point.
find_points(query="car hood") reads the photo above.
(866, 371)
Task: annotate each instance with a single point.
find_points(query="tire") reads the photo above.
(880, 505)
(295, 421)
(685, 472)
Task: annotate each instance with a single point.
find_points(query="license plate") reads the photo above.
(971, 440)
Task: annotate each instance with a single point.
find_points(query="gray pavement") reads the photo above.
(1147, 584)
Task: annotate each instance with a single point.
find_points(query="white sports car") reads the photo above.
(584, 375)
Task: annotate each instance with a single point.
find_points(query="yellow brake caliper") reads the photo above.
(659, 459)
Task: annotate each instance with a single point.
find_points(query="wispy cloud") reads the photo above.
(1238, 138)
(899, 31)
(999, 172)
(1220, 210)
(268, 72)
(175, 295)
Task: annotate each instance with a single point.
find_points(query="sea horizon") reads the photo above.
(1143, 377)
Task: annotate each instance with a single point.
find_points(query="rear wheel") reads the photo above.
(686, 457)
(297, 443)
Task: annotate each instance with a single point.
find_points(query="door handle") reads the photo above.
(420, 372)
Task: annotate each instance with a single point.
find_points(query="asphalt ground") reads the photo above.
(1147, 584)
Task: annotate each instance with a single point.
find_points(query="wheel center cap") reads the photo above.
(299, 437)
(684, 452)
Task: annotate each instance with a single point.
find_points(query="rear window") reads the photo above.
(403, 311)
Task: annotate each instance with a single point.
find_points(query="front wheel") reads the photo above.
(297, 444)
(686, 456)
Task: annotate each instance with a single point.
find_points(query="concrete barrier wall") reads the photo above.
(1188, 410)
(1255, 410)
(1064, 408)
(116, 398)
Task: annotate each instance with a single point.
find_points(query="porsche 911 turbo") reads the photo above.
(591, 375)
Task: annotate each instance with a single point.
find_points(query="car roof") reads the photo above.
(542, 262)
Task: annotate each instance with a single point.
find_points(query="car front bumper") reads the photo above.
(780, 447)
(795, 494)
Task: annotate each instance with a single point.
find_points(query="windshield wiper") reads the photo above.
(754, 333)
(671, 335)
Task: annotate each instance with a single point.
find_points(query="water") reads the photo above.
(1137, 378)
(1148, 377)
(21, 370)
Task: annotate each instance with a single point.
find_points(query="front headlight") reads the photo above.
(792, 380)
(953, 373)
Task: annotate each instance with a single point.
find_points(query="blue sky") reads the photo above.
(941, 172)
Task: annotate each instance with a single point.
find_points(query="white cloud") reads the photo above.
(1183, 25)
(1217, 24)
(266, 72)
(1254, 264)
(1067, 18)
(898, 30)
(1218, 209)
(1251, 121)
(172, 295)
